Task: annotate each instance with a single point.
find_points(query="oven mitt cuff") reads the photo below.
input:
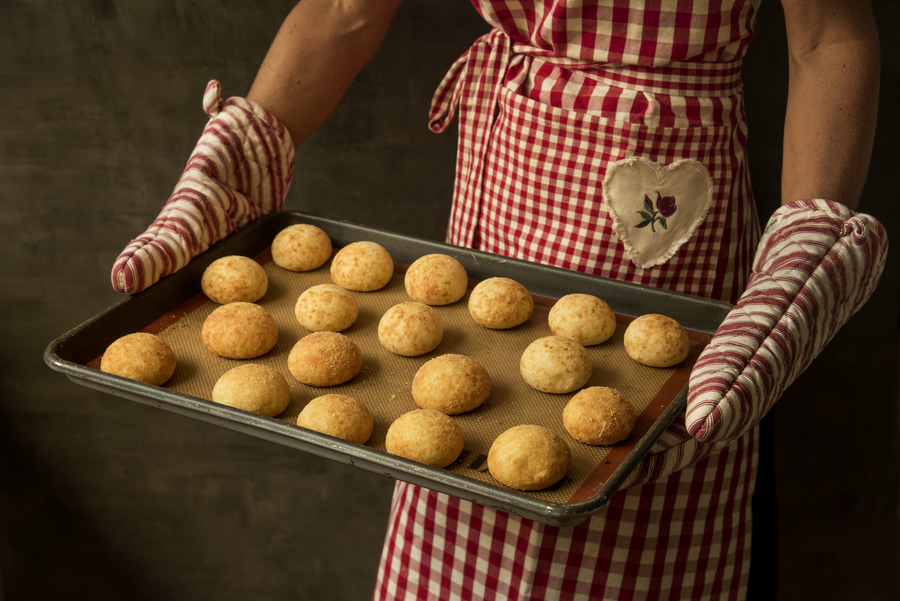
(817, 263)
(240, 169)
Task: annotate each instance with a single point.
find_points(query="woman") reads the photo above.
(608, 138)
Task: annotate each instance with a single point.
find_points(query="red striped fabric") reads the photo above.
(240, 169)
(816, 265)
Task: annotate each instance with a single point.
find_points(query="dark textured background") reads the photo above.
(101, 498)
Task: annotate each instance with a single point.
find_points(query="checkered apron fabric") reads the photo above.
(547, 100)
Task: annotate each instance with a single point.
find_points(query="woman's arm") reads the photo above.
(320, 48)
(832, 99)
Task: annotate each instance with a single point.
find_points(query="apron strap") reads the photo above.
(472, 85)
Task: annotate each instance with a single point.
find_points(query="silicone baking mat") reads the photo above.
(175, 308)
(384, 383)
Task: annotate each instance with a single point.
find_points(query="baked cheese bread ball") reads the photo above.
(337, 415)
(599, 416)
(584, 318)
(410, 329)
(240, 331)
(529, 457)
(301, 247)
(234, 279)
(436, 279)
(500, 303)
(324, 359)
(426, 436)
(555, 364)
(326, 308)
(362, 266)
(140, 356)
(259, 389)
(657, 341)
(451, 384)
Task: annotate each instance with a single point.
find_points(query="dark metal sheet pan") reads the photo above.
(70, 353)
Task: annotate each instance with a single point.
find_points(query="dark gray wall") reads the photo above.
(101, 498)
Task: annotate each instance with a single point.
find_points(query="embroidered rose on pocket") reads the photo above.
(665, 207)
(683, 192)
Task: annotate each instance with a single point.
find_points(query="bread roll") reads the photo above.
(140, 356)
(337, 415)
(500, 303)
(301, 247)
(234, 279)
(326, 308)
(259, 389)
(325, 359)
(410, 329)
(426, 436)
(656, 341)
(556, 365)
(599, 416)
(362, 266)
(583, 318)
(528, 457)
(436, 279)
(240, 331)
(451, 384)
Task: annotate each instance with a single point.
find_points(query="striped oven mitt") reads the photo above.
(240, 170)
(817, 263)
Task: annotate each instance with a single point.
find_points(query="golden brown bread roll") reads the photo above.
(410, 329)
(599, 416)
(657, 341)
(301, 247)
(326, 308)
(256, 388)
(451, 384)
(337, 415)
(583, 318)
(362, 266)
(436, 279)
(240, 331)
(234, 279)
(528, 457)
(555, 364)
(325, 359)
(140, 356)
(500, 303)
(426, 436)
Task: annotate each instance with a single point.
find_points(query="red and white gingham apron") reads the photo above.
(547, 101)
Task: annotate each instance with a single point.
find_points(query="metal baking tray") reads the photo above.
(76, 354)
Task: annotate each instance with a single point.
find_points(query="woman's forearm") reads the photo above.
(320, 48)
(832, 99)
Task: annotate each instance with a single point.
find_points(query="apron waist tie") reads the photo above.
(472, 85)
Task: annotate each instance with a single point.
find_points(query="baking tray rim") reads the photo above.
(480, 265)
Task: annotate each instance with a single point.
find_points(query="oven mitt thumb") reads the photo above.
(817, 263)
(240, 170)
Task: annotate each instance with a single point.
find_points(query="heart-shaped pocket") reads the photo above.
(656, 208)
